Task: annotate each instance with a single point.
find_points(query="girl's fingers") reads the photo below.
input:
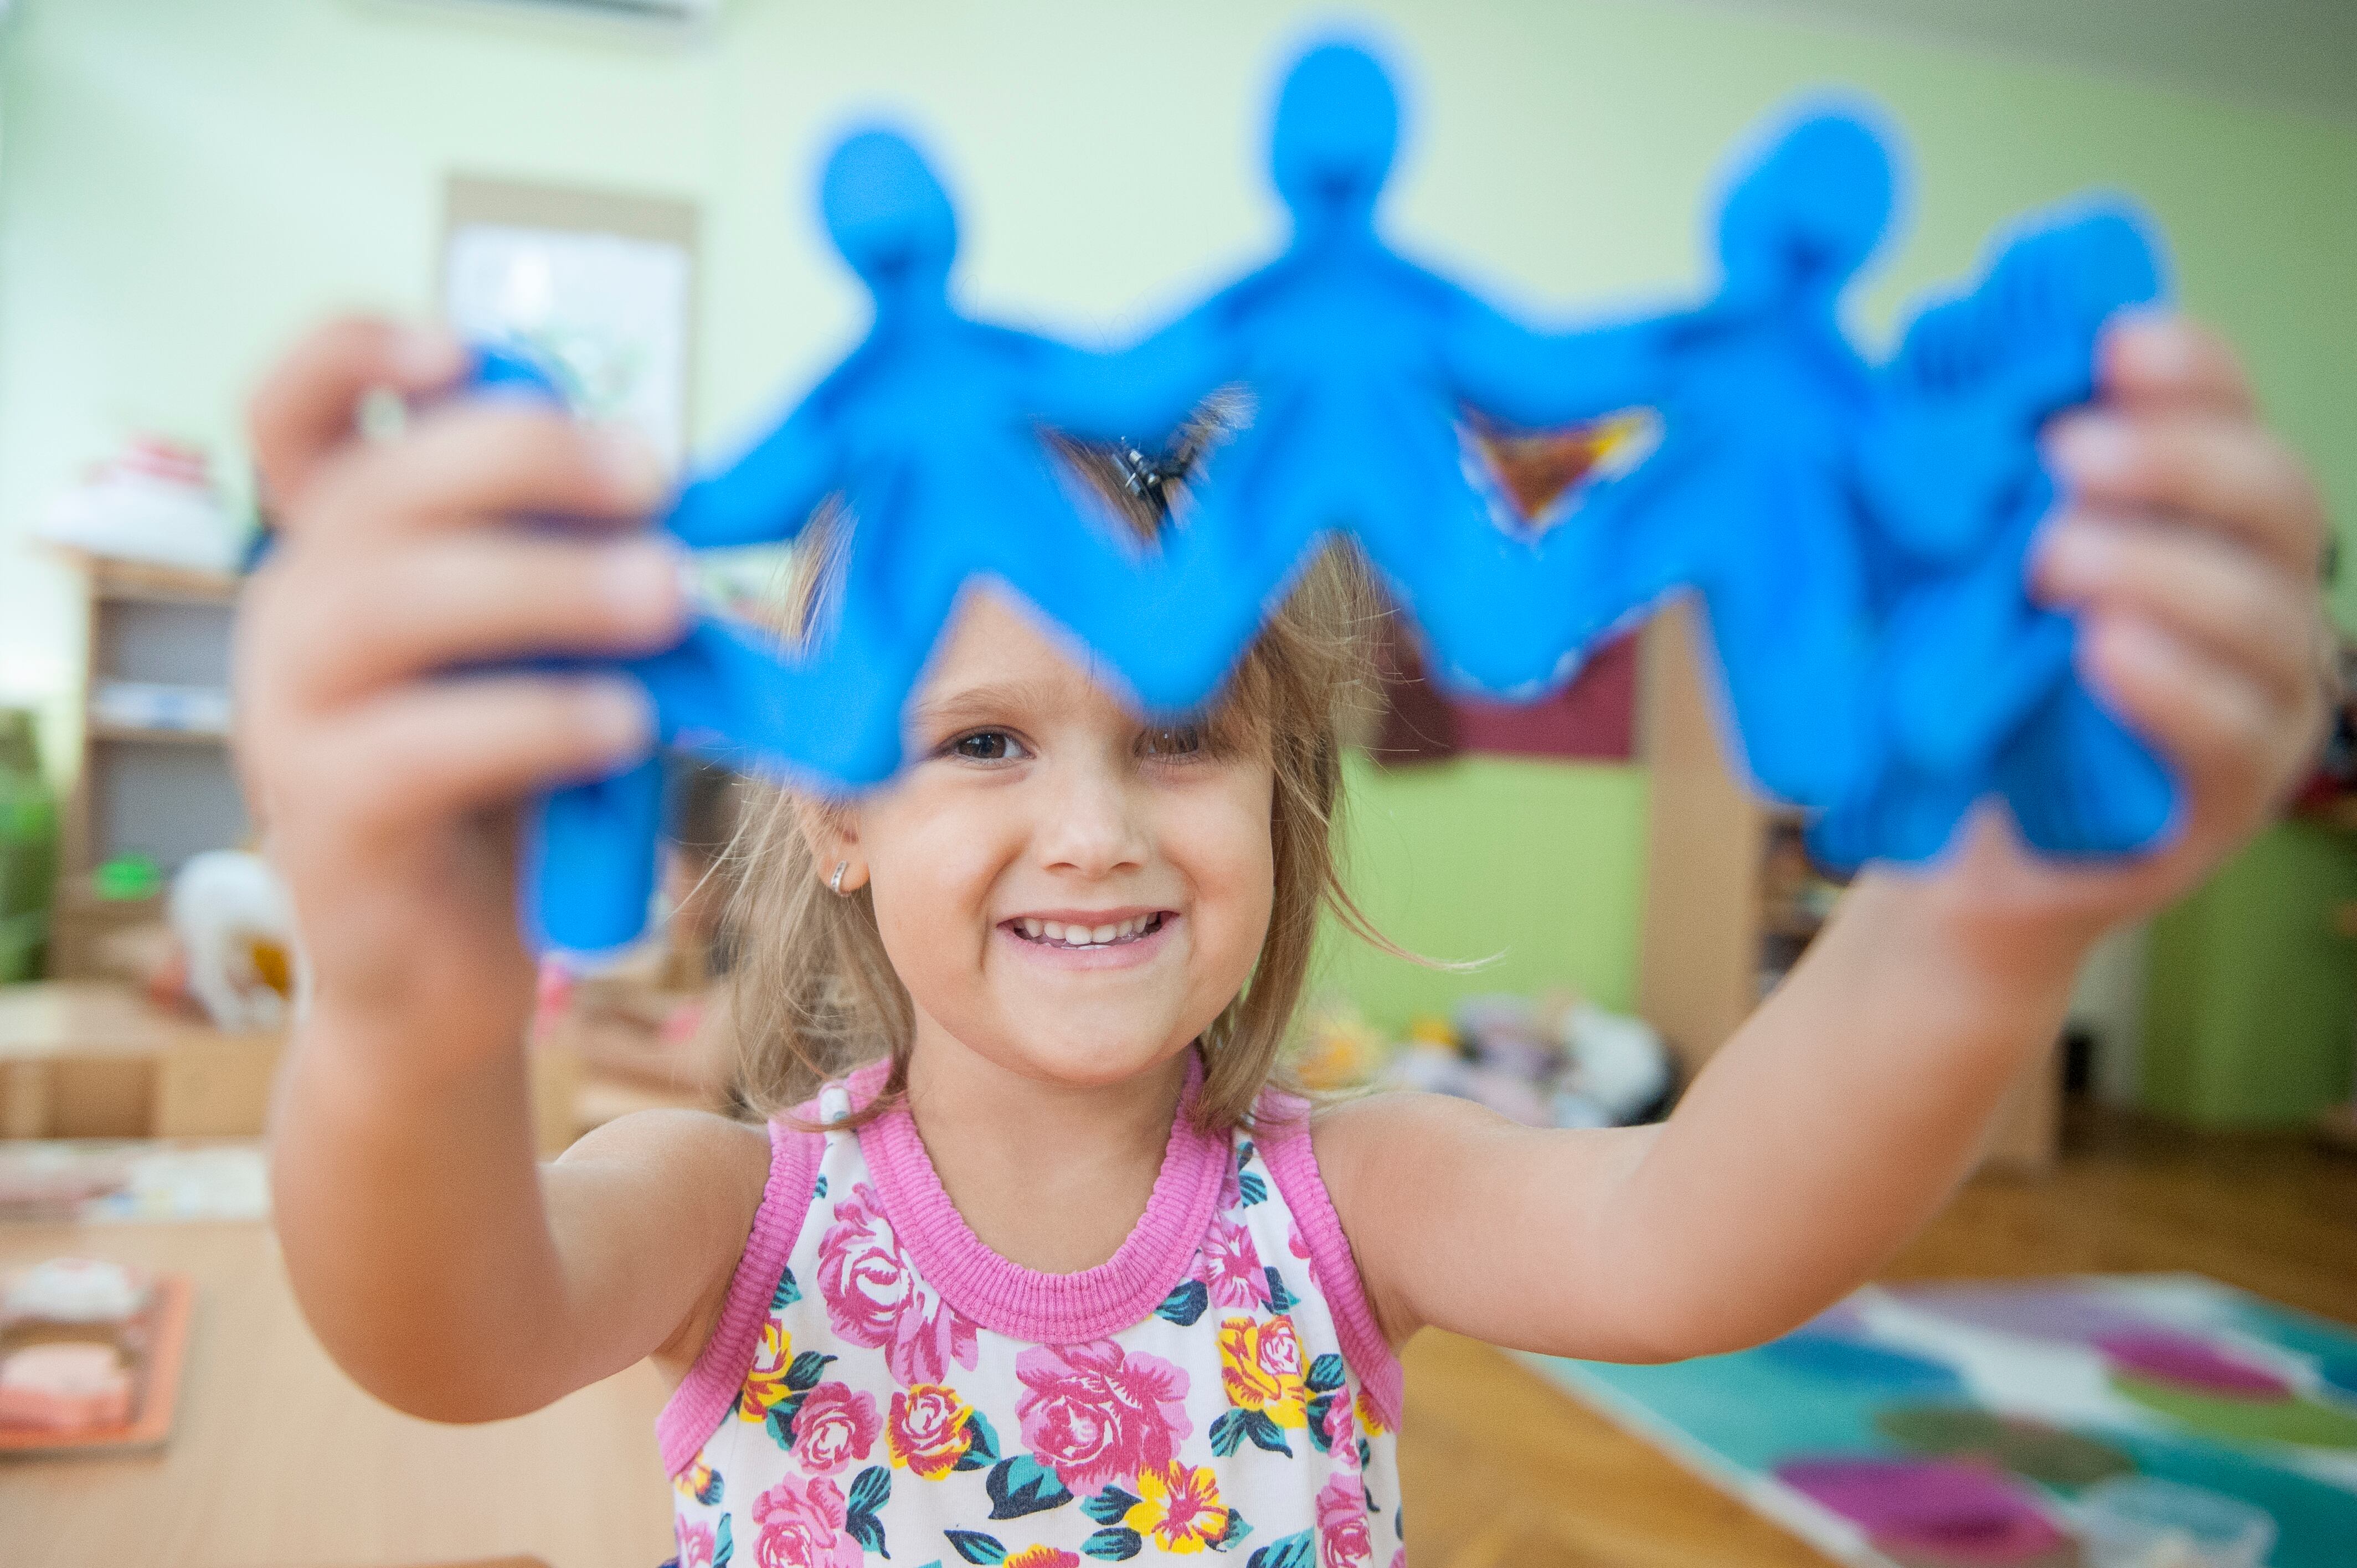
(310, 403)
(484, 596)
(505, 457)
(2160, 358)
(2239, 606)
(2198, 465)
(2234, 742)
(425, 753)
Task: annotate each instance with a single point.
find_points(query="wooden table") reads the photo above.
(96, 1059)
(278, 1461)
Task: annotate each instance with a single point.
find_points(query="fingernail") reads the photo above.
(426, 357)
(618, 715)
(2091, 450)
(630, 464)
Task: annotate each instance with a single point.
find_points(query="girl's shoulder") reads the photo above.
(1385, 1162)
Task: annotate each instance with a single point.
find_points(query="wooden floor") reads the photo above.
(1503, 1469)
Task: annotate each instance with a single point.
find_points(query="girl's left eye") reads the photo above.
(987, 745)
(1174, 740)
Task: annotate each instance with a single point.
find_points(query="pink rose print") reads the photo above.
(1342, 1524)
(694, 1545)
(835, 1425)
(802, 1526)
(874, 1299)
(1342, 1432)
(1097, 1414)
(1299, 1248)
(1229, 1265)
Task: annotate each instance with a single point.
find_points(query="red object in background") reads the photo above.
(1594, 718)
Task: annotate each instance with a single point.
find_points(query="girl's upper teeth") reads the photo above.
(1079, 935)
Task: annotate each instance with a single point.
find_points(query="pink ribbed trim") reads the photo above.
(1024, 1304)
(700, 1402)
(1282, 1127)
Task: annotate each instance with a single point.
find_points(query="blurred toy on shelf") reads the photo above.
(1339, 1048)
(1553, 1061)
(155, 501)
(236, 932)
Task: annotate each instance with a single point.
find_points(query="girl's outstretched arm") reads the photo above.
(1841, 1115)
(442, 1267)
(1830, 1127)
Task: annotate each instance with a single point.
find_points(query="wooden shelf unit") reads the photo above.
(164, 792)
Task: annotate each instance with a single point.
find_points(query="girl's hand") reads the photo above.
(2190, 546)
(386, 784)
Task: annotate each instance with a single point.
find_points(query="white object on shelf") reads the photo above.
(154, 503)
(154, 704)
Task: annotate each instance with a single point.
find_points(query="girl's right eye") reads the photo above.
(987, 745)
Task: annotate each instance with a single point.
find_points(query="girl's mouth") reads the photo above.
(1077, 937)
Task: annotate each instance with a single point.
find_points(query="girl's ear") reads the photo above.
(832, 831)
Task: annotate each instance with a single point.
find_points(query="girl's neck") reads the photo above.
(1051, 1177)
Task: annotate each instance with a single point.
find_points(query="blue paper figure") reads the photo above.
(1361, 366)
(1854, 537)
(931, 433)
(1975, 692)
(1748, 501)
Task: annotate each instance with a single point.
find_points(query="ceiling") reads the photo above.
(2293, 55)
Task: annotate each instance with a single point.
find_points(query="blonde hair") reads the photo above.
(815, 993)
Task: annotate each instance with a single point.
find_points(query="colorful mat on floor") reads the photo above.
(1967, 1425)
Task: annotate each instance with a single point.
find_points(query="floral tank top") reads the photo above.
(882, 1386)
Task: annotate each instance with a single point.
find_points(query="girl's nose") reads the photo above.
(1091, 821)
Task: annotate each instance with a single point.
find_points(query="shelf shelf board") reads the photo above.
(100, 729)
(112, 578)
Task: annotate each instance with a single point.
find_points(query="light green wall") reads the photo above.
(1535, 867)
(2251, 984)
(188, 184)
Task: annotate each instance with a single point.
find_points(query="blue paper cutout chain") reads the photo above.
(1855, 535)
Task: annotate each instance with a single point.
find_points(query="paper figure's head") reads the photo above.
(1337, 128)
(1807, 212)
(887, 214)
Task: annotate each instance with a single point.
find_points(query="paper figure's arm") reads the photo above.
(1141, 393)
(767, 495)
(1539, 380)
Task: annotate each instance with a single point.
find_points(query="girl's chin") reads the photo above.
(1083, 1059)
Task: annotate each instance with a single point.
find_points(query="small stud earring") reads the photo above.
(834, 883)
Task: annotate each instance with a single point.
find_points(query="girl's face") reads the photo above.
(1066, 890)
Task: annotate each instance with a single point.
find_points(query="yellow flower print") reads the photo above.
(1260, 1366)
(1370, 1419)
(695, 1481)
(927, 1430)
(1179, 1507)
(765, 1384)
(1042, 1557)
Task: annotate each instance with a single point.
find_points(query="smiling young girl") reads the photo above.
(1032, 1265)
